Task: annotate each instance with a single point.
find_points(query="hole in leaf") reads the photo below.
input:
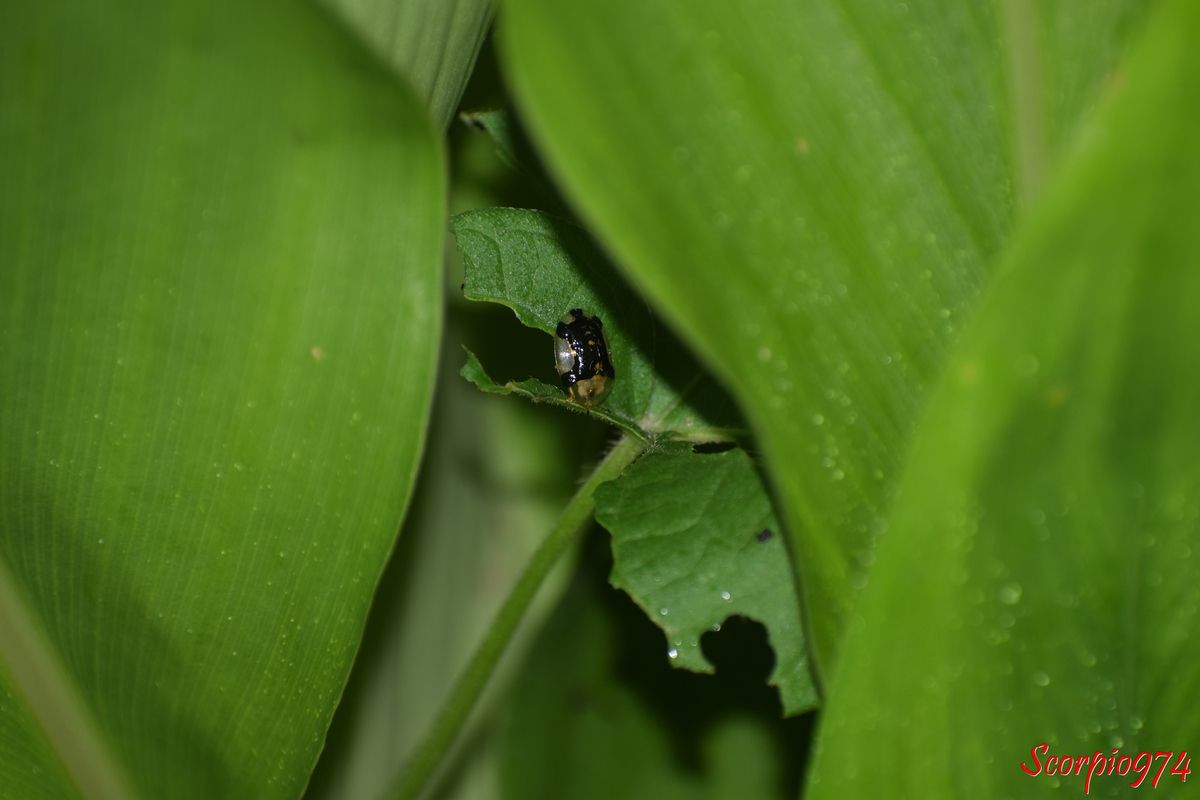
(705, 448)
(740, 651)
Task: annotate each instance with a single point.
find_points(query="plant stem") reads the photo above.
(429, 753)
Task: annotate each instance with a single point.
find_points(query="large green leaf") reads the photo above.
(1041, 574)
(812, 193)
(433, 43)
(219, 307)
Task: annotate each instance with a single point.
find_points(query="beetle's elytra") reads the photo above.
(581, 357)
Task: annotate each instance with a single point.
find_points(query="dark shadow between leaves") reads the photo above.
(687, 705)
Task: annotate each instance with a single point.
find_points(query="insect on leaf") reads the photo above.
(541, 267)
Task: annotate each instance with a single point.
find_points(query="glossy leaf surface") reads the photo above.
(1041, 573)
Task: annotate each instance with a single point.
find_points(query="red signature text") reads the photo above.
(1099, 763)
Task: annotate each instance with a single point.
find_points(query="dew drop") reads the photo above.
(1010, 594)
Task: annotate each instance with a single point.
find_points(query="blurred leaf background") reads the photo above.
(939, 257)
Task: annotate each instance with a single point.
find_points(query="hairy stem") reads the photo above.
(471, 682)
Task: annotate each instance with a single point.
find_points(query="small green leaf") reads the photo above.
(541, 267)
(1041, 572)
(695, 541)
(538, 392)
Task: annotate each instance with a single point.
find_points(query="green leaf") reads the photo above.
(694, 543)
(221, 236)
(432, 43)
(1041, 574)
(537, 392)
(541, 267)
(811, 193)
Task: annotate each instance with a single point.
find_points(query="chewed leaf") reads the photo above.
(541, 267)
(695, 541)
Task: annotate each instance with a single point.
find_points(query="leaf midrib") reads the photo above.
(1023, 63)
(54, 699)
